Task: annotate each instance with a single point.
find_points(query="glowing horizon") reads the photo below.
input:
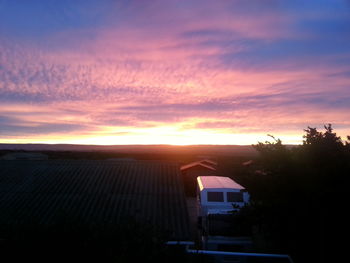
(170, 72)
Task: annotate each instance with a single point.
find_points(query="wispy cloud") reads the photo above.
(114, 67)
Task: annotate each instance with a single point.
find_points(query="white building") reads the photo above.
(219, 195)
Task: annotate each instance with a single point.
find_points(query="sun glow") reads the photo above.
(170, 135)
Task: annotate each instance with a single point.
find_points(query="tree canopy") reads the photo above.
(298, 191)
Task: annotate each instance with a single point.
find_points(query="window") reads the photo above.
(215, 196)
(234, 197)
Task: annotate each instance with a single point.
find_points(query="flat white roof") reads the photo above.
(217, 182)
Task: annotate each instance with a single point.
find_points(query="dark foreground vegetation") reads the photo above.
(298, 196)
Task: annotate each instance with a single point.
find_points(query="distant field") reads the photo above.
(210, 150)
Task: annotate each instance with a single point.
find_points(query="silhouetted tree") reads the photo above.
(298, 191)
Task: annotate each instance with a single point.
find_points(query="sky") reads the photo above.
(172, 72)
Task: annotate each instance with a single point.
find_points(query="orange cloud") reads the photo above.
(216, 71)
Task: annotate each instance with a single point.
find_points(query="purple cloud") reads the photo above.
(112, 66)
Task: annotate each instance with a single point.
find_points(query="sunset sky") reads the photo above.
(172, 72)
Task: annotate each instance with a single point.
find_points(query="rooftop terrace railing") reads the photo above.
(222, 256)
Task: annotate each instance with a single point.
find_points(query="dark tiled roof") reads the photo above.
(97, 192)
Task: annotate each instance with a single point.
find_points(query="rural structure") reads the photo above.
(219, 198)
(220, 195)
(190, 172)
(95, 193)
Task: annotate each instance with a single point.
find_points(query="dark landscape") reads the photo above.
(219, 150)
(297, 197)
(69, 234)
(212, 131)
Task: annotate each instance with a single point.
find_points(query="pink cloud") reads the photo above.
(146, 68)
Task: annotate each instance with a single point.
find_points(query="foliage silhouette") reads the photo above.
(298, 194)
